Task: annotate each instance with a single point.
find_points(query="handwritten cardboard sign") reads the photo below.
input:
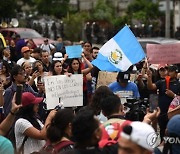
(105, 78)
(163, 54)
(67, 90)
(74, 51)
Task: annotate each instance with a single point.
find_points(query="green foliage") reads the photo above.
(143, 10)
(58, 8)
(8, 8)
(102, 11)
(74, 25)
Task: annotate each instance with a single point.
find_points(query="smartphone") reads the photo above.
(39, 79)
(35, 69)
(153, 102)
(1, 65)
(19, 93)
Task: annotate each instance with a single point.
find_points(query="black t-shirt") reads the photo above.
(164, 100)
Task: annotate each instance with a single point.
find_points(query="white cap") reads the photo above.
(58, 56)
(141, 134)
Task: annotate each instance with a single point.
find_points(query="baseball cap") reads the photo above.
(58, 56)
(140, 133)
(123, 76)
(28, 98)
(24, 49)
(174, 125)
(173, 68)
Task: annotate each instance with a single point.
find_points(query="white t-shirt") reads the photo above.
(31, 144)
(47, 47)
(22, 60)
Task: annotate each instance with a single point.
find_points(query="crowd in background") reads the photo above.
(100, 126)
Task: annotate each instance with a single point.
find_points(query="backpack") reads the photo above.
(54, 149)
(111, 131)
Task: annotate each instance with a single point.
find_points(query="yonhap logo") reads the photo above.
(153, 140)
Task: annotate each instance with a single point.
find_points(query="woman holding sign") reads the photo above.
(56, 68)
(76, 67)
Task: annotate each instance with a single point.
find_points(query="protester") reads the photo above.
(7, 58)
(30, 133)
(45, 58)
(95, 51)
(26, 56)
(59, 132)
(167, 91)
(174, 107)
(19, 44)
(57, 68)
(87, 47)
(36, 53)
(86, 132)
(123, 85)
(5, 74)
(30, 77)
(100, 93)
(48, 47)
(75, 68)
(17, 77)
(135, 138)
(6, 146)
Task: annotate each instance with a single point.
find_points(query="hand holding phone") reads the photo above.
(153, 102)
(19, 94)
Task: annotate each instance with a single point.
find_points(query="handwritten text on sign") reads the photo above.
(163, 54)
(68, 90)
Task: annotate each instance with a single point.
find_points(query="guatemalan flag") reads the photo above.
(120, 52)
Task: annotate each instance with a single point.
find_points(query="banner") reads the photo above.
(163, 54)
(64, 89)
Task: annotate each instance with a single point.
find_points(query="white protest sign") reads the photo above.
(67, 90)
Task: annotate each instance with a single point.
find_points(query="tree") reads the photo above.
(143, 10)
(74, 25)
(103, 10)
(8, 9)
(58, 8)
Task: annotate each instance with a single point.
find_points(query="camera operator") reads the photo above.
(113, 109)
(124, 87)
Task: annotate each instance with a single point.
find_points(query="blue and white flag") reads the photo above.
(120, 52)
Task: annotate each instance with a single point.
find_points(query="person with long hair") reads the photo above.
(59, 131)
(5, 74)
(30, 132)
(76, 67)
(56, 68)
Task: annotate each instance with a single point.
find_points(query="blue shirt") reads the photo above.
(9, 93)
(131, 87)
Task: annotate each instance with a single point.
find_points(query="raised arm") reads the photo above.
(150, 84)
(90, 66)
(40, 134)
(8, 121)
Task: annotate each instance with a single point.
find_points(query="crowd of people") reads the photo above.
(100, 125)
